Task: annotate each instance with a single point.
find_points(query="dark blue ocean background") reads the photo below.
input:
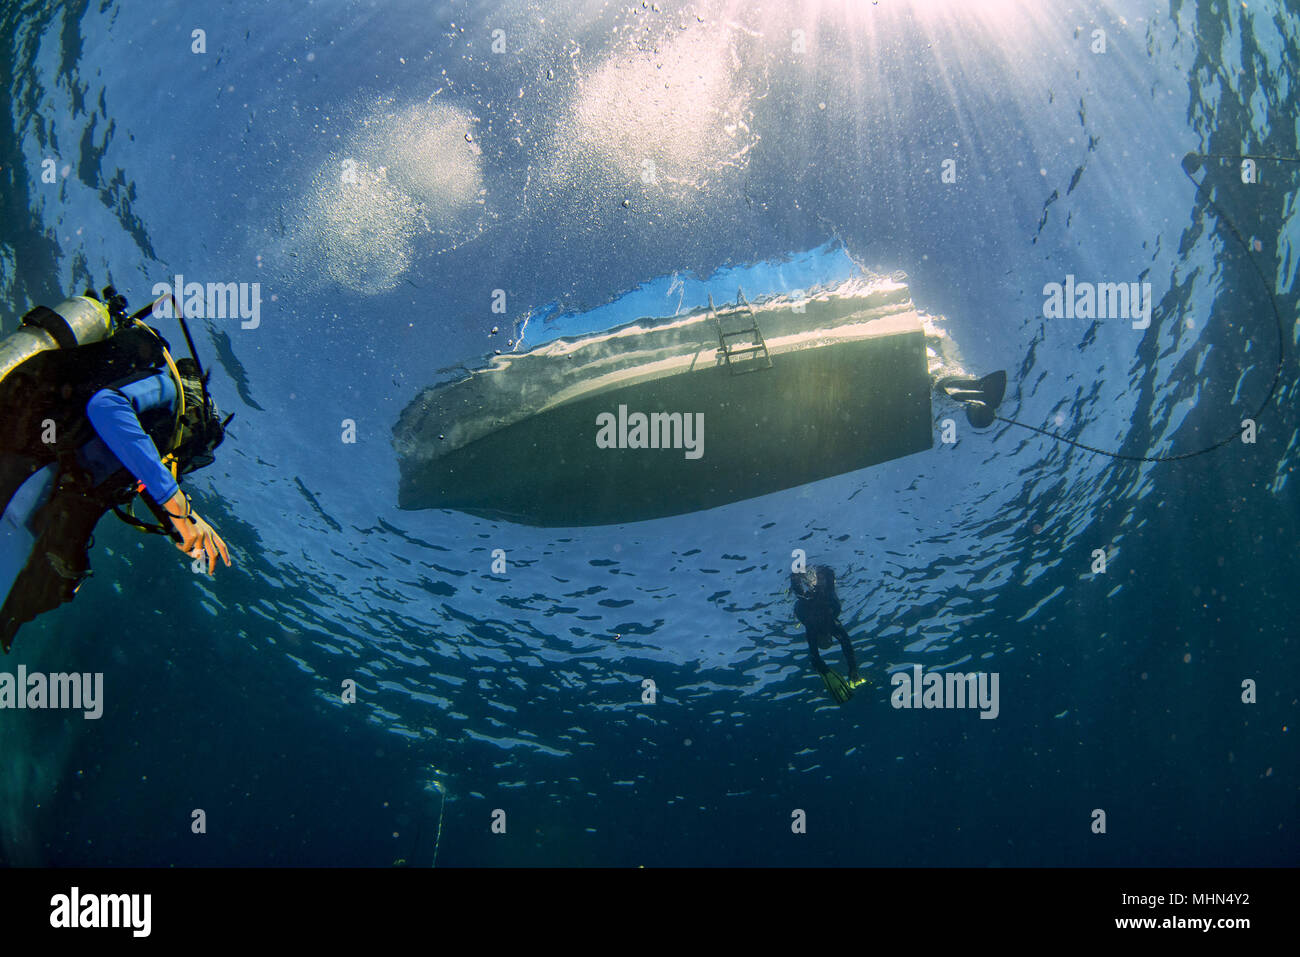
(783, 160)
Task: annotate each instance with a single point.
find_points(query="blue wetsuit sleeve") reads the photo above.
(115, 415)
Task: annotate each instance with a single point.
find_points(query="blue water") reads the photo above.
(790, 148)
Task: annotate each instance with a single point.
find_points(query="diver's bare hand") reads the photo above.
(198, 538)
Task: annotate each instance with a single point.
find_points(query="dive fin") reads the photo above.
(836, 686)
(980, 396)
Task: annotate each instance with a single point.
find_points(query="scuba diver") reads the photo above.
(818, 609)
(94, 412)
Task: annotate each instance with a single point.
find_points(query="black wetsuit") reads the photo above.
(818, 609)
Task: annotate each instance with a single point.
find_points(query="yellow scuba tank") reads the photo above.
(74, 322)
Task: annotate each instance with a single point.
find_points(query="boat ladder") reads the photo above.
(740, 343)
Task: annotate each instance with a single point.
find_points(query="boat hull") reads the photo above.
(822, 409)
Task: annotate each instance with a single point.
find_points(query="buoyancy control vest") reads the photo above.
(44, 399)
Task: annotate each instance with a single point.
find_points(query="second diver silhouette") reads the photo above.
(818, 609)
